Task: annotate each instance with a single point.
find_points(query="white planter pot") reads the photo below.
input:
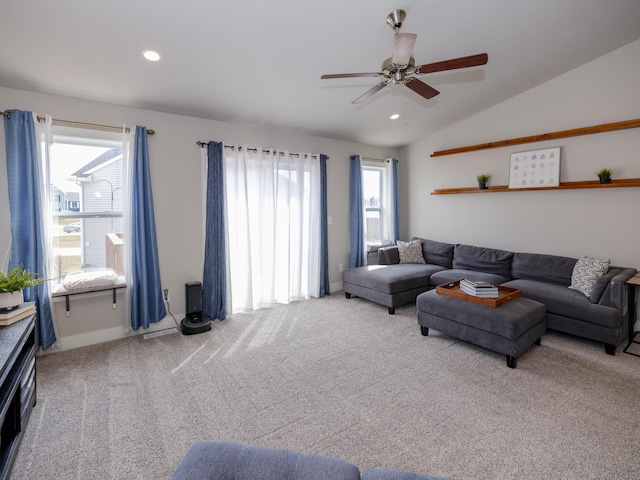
(11, 299)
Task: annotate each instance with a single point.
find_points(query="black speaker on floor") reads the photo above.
(195, 321)
(193, 296)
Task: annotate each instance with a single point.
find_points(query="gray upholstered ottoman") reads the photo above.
(510, 328)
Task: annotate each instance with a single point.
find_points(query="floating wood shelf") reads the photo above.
(606, 127)
(626, 182)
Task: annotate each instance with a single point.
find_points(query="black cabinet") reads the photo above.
(17, 387)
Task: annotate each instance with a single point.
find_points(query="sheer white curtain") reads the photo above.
(128, 144)
(273, 215)
(43, 126)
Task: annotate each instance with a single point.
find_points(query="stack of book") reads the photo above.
(9, 317)
(479, 289)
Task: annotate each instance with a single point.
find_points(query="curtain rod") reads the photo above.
(372, 159)
(84, 124)
(232, 147)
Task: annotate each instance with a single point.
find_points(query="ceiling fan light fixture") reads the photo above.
(403, 48)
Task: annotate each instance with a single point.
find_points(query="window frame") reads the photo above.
(380, 169)
(88, 137)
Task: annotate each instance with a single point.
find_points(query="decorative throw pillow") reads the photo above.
(586, 273)
(410, 252)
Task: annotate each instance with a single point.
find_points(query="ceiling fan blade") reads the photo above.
(372, 91)
(403, 47)
(350, 75)
(421, 88)
(453, 64)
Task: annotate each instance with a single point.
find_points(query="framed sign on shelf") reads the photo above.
(535, 168)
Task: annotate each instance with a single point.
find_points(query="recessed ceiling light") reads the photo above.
(394, 116)
(151, 55)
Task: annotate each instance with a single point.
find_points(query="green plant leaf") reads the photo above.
(17, 279)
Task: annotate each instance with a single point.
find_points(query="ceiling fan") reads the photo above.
(400, 68)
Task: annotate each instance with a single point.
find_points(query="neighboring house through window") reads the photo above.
(87, 194)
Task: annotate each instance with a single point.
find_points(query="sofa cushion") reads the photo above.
(543, 268)
(410, 252)
(453, 274)
(561, 300)
(437, 253)
(391, 278)
(586, 273)
(482, 259)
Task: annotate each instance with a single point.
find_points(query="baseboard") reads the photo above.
(107, 335)
(116, 333)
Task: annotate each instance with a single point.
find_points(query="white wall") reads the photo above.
(176, 178)
(597, 222)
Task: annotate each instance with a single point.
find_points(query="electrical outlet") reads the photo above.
(166, 294)
(341, 268)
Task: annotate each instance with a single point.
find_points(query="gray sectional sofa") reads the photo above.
(544, 278)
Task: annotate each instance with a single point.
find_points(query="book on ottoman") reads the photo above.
(479, 289)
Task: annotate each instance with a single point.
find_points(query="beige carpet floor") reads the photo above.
(341, 378)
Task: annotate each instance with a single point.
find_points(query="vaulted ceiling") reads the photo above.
(259, 63)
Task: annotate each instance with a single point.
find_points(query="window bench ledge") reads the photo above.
(78, 291)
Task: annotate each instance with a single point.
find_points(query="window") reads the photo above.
(87, 198)
(372, 193)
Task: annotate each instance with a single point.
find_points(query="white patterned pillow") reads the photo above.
(410, 252)
(586, 273)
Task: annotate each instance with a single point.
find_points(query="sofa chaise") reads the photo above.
(597, 313)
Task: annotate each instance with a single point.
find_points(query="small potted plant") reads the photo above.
(482, 181)
(11, 285)
(604, 174)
